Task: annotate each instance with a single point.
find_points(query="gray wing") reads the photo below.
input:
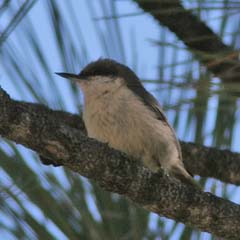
(138, 89)
(151, 102)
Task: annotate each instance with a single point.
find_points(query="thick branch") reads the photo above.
(212, 162)
(219, 58)
(60, 136)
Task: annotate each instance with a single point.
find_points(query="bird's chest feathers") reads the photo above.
(102, 114)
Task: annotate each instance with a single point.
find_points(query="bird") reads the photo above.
(119, 111)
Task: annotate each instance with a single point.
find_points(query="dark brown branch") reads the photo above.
(199, 160)
(219, 58)
(212, 162)
(60, 136)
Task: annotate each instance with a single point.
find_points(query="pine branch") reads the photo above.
(61, 137)
(220, 59)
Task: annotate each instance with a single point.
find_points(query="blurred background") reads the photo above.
(38, 38)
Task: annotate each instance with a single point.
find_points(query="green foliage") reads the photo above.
(39, 202)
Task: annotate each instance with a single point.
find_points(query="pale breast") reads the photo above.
(124, 122)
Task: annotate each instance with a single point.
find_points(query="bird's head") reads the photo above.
(103, 73)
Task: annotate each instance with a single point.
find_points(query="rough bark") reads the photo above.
(61, 137)
(218, 58)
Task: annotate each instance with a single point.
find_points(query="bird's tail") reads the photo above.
(184, 176)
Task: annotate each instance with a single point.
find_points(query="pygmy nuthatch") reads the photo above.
(119, 111)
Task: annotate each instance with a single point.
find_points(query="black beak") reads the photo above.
(68, 75)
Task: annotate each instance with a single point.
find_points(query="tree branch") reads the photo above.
(219, 58)
(60, 136)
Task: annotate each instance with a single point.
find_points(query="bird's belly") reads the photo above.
(142, 137)
(110, 128)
